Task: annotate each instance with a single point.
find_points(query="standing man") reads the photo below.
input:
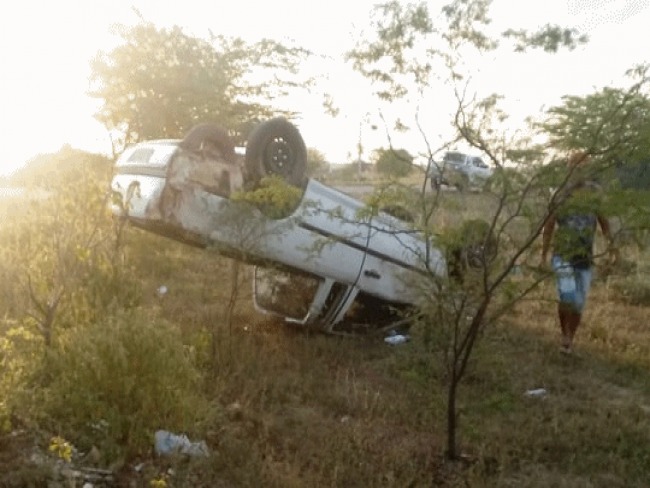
(572, 228)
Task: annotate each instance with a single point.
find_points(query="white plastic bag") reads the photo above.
(396, 339)
(169, 443)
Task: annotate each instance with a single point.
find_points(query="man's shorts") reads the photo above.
(572, 283)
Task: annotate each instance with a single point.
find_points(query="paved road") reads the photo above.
(359, 190)
(355, 190)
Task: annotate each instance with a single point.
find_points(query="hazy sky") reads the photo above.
(46, 47)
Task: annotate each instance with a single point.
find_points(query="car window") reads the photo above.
(478, 162)
(454, 157)
(141, 155)
(151, 155)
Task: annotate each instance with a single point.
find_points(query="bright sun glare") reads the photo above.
(45, 60)
(46, 48)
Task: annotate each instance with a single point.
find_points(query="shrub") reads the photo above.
(117, 381)
(62, 259)
(634, 289)
(20, 357)
(394, 162)
(274, 197)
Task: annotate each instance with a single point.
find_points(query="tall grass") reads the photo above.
(284, 408)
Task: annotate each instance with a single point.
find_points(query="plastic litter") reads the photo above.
(537, 392)
(168, 443)
(162, 290)
(397, 339)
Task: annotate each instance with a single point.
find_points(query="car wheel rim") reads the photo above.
(278, 157)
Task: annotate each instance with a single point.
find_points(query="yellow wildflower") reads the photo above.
(61, 448)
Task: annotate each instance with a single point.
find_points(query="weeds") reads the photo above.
(115, 382)
(634, 289)
(280, 408)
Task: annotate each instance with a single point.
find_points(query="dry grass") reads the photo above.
(309, 410)
(294, 409)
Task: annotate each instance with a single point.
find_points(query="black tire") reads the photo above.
(480, 248)
(491, 185)
(435, 183)
(275, 147)
(209, 141)
(474, 248)
(462, 184)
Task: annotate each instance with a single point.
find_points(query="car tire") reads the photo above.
(275, 147)
(209, 141)
(462, 184)
(491, 186)
(474, 249)
(480, 248)
(435, 183)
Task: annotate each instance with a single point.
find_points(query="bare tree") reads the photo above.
(491, 263)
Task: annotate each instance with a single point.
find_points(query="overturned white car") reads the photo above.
(326, 264)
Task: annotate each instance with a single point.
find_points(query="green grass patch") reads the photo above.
(280, 408)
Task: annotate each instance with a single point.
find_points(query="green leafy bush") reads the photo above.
(394, 162)
(115, 382)
(61, 255)
(20, 357)
(274, 197)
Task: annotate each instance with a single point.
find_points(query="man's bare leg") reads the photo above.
(573, 324)
(565, 316)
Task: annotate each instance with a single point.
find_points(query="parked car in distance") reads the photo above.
(324, 264)
(460, 170)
